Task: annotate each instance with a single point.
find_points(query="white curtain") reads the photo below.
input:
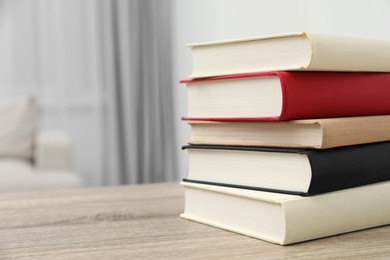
(136, 37)
(101, 70)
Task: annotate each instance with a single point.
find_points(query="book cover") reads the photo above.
(303, 172)
(305, 133)
(290, 51)
(287, 219)
(283, 95)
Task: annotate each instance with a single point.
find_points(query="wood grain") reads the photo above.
(142, 222)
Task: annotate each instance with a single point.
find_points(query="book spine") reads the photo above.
(332, 94)
(355, 130)
(349, 166)
(337, 212)
(343, 53)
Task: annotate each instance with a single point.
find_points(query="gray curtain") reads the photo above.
(139, 114)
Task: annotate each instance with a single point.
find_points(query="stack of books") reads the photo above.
(290, 136)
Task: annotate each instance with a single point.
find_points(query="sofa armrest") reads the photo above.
(52, 151)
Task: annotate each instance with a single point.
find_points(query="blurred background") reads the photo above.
(106, 71)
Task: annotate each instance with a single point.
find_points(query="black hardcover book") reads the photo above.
(288, 170)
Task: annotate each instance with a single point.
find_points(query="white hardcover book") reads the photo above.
(286, 219)
(290, 51)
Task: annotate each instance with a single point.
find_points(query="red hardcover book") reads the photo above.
(285, 95)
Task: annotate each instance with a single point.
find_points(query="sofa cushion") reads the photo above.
(36, 181)
(18, 175)
(17, 121)
(15, 167)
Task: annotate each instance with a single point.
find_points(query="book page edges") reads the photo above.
(231, 76)
(228, 228)
(275, 69)
(298, 122)
(232, 119)
(270, 197)
(317, 145)
(256, 38)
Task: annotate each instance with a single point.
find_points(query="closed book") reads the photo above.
(291, 51)
(283, 95)
(308, 133)
(289, 170)
(287, 219)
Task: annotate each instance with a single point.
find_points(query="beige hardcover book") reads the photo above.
(306, 133)
(291, 51)
(286, 219)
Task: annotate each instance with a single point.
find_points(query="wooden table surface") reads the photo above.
(142, 222)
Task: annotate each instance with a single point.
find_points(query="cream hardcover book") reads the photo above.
(287, 219)
(307, 133)
(290, 51)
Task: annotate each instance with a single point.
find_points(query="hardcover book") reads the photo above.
(308, 133)
(291, 51)
(274, 96)
(289, 170)
(287, 219)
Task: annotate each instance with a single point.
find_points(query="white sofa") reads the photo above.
(29, 159)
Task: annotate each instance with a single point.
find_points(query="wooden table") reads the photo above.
(142, 222)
